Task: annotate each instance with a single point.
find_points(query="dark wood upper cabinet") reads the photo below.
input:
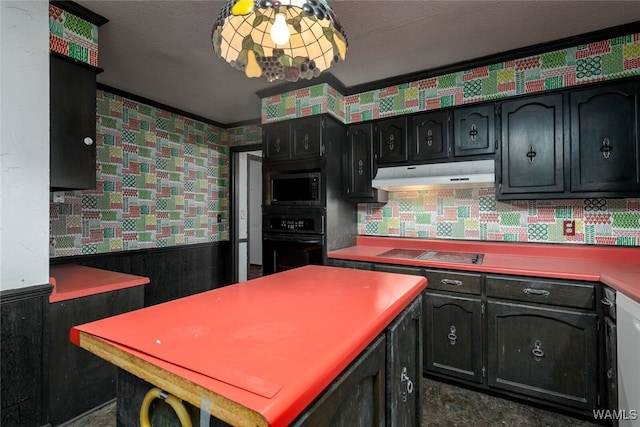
(307, 139)
(276, 141)
(72, 124)
(474, 130)
(532, 146)
(431, 136)
(298, 139)
(392, 142)
(360, 167)
(604, 139)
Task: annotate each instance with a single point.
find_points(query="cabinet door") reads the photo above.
(356, 398)
(532, 145)
(604, 139)
(404, 367)
(431, 136)
(307, 138)
(550, 354)
(392, 141)
(474, 130)
(610, 364)
(277, 141)
(360, 158)
(73, 125)
(453, 336)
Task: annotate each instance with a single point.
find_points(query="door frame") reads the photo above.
(234, 200)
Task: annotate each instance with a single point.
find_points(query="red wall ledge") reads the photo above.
(75, 281)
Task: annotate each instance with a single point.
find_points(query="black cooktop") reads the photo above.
(439, 256)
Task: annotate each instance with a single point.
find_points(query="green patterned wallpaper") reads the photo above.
(475, 214)
(162, 181)
(73, 36)
(163, 178)
(604, 60)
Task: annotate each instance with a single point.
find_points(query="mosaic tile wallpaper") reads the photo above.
(605, 60)
(242, 135)
(73, 36)
(162, 181)
(318, 99)
(474, 214)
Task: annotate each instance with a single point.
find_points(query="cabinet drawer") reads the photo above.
(466, 283)
(400, 269)
(568, 294)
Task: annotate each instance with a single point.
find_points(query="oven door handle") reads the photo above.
(293, 238)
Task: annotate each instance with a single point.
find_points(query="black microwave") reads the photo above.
(295, 189)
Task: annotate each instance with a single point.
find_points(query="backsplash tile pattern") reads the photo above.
(162, 181)
(73, 36)
(604, 60)
(475, 214)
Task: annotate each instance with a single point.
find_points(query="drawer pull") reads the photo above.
(607, 302)
(451, 282)
(452, 335)
(404, 378)
(537, 352)
(538, 292)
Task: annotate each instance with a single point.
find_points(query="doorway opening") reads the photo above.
(246, 212)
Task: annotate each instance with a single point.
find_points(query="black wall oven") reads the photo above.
(292, 238)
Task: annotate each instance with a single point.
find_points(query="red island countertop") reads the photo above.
(75, 281)
(261, 351)
(618, 267)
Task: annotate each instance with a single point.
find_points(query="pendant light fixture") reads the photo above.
(280, 40)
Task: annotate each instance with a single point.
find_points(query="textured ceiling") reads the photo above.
(161, 50)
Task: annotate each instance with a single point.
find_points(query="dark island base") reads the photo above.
(381, 386)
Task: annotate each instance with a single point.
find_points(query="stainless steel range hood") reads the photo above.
(476, 173)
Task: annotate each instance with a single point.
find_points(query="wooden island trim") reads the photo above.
(221, 407)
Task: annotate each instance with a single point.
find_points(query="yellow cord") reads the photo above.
(174, 402)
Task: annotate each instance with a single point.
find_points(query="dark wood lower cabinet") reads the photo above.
(540, 340)
(611, 366)
(356, 398)
(80, 381)
(549, 354)
(453, 336)
(404, 368)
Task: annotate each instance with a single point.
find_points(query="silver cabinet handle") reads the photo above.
(606, 148)
(452, 335)
(537, 352)
(451, 282)
(404, 378)
(539, 292)
(607, 302)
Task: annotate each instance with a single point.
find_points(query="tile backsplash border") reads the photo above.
(73, 36)
(610, 59)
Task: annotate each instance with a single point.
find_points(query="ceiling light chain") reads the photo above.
(244, 33)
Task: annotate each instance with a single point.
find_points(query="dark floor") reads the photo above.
(255, 271)
(443, 405)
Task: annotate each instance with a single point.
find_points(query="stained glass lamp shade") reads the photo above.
(242, 36)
